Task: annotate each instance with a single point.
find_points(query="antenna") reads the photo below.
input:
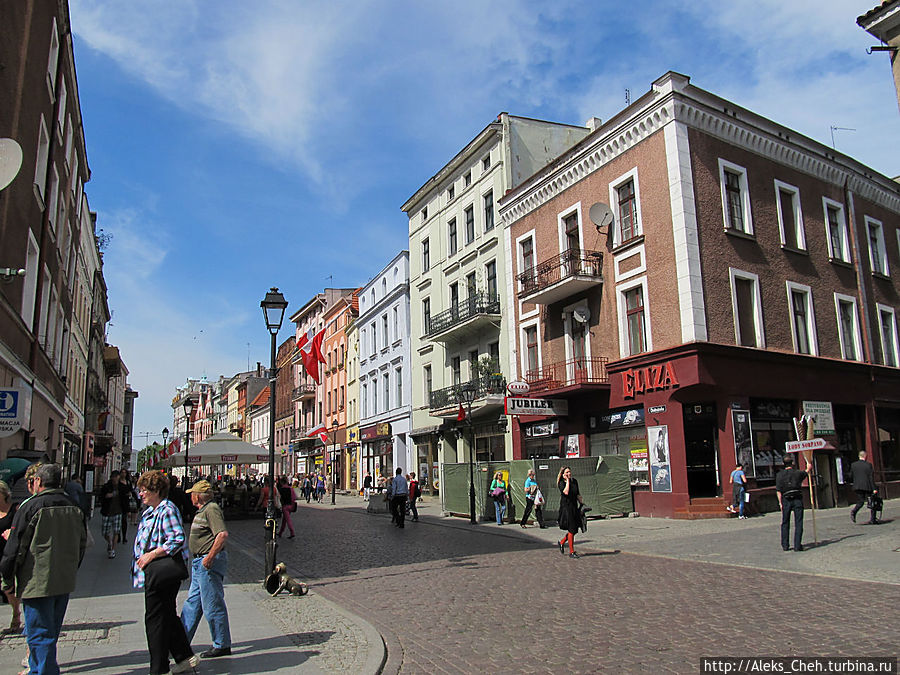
(248, 357)
(833, 129)
(10, 161)
(627, 97)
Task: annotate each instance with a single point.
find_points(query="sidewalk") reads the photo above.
(103, 631)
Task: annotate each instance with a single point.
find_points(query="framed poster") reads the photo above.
(660, 469)
(743, 441)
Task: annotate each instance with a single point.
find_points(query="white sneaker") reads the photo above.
(111, 553)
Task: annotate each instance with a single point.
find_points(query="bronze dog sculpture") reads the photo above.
(280, 581)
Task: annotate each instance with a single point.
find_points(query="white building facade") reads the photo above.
(384, 375)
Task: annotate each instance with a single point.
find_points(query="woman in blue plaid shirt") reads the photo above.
(161, 533)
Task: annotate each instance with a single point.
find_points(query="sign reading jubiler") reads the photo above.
(536, 406)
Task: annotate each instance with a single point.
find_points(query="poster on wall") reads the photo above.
(743, 443)
(572, 447)
(660, 471)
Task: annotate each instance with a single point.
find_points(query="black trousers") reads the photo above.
(165, 632)
(538, 513)
(398, 506)
(862, 497)
(791, 505)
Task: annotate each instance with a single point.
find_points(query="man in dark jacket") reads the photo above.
(113, 508)
(790, 498)
(48, 529)
(863, 475)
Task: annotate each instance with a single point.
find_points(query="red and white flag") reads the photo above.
(310, 346)
(319, 430)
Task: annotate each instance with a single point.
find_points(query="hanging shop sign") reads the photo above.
(823, 417)
(802, 446)
(652, 378)
(518, 388)
(536, 406)
(12, 411)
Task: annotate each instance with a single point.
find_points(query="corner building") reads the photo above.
(746, 275)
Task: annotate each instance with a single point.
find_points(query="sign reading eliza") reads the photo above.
(639, 380)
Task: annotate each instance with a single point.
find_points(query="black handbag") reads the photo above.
(164, 571)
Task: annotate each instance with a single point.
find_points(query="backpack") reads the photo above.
(415, 493)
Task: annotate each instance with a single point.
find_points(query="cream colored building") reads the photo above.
(458, 290)
(883, 22)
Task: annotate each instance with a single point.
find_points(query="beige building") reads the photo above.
(884, 23)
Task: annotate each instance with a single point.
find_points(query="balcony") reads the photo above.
(560, 277)
(489, 390)
(464, 319)
(575, 372)
(304, 391)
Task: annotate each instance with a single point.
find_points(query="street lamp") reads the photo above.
(273, 306)
(165, 435)
(188, 411)
(334, 427)
(467, 393)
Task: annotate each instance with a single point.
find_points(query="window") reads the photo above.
(375, 395)
(467, 178)
(747, 308)
(735, 197)
(53, 60)
(396, 324)
(61, 116)
(40, 171)
(328, 401)
(454, 299)
(29, 286)
(470, 224)
(451, 192)
(877, 251)
(570, 227)
(634, 320)
(398, 387)
(426, 255)
(488, 200)
(426, 314)
(526, 248)
(335, 401)
(887, 326)
(386, 385)
(848, 326)
(451, 231)
(486, 163)
(628, 225)
(471, 287)
(836, 230)
(424, 214)
(374, 340)
(70, 147)
(803, 328)
(494, 352)
(790, 216)
(385, 338)
(490, 272)
(427, 376)
(473, 364)
(364, 401)
(531, 350)
(455, 371)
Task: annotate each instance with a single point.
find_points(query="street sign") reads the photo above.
(536, 406)
(800, 446)
(11, 411)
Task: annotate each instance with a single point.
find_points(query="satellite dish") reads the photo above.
(581, 314)
(10, 161)
(601, 215)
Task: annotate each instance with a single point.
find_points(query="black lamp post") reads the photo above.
(467, 393)
(334, 456)
(165, 435)
(273, 306)
(188, 411)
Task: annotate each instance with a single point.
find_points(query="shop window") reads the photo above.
(790, 216)
(848, 326)
(771, 427)
(803, 324)
(836, 230)
(747, 307)
(887, 326)
(735, 197)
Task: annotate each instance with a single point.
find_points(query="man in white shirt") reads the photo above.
(399, 493)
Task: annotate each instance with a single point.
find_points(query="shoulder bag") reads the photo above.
(164, 571)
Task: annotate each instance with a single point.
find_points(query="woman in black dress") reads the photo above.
(569, 502)
(7, 511)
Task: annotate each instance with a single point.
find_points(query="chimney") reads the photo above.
(593, 123)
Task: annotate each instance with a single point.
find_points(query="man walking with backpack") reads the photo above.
(414, 494)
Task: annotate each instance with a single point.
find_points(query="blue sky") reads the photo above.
(272, 143)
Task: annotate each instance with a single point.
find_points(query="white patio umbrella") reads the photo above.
(220, 448)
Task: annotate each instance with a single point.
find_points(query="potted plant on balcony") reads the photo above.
(487, 372)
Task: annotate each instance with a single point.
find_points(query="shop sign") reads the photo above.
(656, 409)
(536, 406)
(518, 388)
(802, 446)
(652, 378)
(623, 418)
(12, 411)
(543, 429)
(375, 431)
(823, 417)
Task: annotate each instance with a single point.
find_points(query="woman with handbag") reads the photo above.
(159, 568)
(569, 510)
(288, 505)
(534, 499)
(498, 492)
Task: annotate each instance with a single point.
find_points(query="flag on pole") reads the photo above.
(461, 415)
(319, 430)
(310, 346)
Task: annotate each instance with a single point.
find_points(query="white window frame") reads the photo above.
(622, 315)
(40, 169)
(857, 338)
(561, 226)
(29, 285)
(61, 114)
(523, 356)
(895, 347)
(745, 195)
(810, 314)
(614, 203)
(53, 199)
(882, 253)
(844, 254)
(800, 243)
(759, 326)
(53, 60)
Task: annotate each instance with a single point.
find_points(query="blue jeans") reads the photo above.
(500, 509)
(739, 499)
(206, 595)
(43, 622)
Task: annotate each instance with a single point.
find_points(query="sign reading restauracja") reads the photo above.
(536, 406)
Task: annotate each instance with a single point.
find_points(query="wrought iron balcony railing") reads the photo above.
(475, 305)
(569, 264)
(568, 373)
(451, 396)
(303, 391)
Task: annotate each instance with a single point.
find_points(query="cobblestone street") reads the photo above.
(448, 599)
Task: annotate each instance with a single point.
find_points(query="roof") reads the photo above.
(262, 398)
(872, 12)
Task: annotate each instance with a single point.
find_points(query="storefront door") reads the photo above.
(700, 449)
